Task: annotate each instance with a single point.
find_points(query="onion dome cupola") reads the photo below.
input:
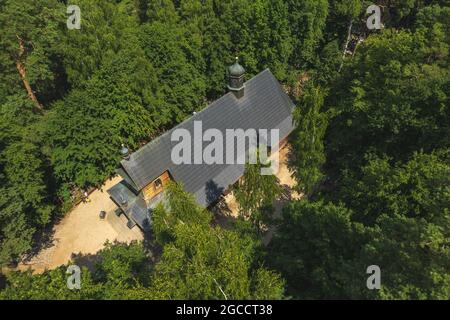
(237, 75)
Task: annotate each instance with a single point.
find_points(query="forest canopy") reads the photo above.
(370, 151)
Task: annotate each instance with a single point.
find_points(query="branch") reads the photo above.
(226, 298)
(21, 69)
(349, 34)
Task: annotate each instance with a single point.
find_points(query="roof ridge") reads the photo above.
(264, 95)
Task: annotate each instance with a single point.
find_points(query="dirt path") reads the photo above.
(82, 231)
(288, 183)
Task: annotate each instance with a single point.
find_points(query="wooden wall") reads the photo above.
(151, 190)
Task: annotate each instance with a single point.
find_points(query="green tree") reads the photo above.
(307, 20)
(413, 255)
(105, 27)
(84, 145)
(256, 194)
(204, 262)
(122, 267)
(404, 207)
(25, 204)
(308, 147)
(236, 41)
(272, 42)
(417, 189)
(178, 207)
(116, 94)
(29, 58)
(396, 217)
(210, 41)
(50, 285)
(121, 103)
(161, 11)
(121, 270)
(16, 232)
(211, 263)
(392, 100)
(181, 84)
(314, 249)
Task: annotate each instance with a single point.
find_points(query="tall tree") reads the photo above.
(314, 249)
(256, 194)
(308, 155)
(396, 218)
(50, 285)
(307, 20)
(273, 40)
(121, 103)
(212, 263)
(84, 145)
(179, 207)
(204, 262)
(25, 202)
(210, 42)
(121, 270)
(105, 29)
(181, 84)
(29, 59)
(392, 99)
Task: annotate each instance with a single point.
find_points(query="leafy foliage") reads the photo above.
(308, 151)
(256, 194)
(121, 271)
(373, 138)
(314, 249)
(179, 207)
(385, 200)
(397, 94)
(204, 262)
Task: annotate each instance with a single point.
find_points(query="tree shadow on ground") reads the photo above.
(2, 281)
(222, 215)
(218, 206)
(153, 248)
(91, 261)
(86, 260)
(42, 239)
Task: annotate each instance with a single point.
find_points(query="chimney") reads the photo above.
(236, 74)
(125, 152)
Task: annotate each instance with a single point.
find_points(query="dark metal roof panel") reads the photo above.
(135, 207)
(211, 190)
(127, 178)
(121, 192)
(140, 214)
(264, 106)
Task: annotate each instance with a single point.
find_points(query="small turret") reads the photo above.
(237, 75)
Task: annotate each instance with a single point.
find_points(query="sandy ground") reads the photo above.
(82, 231)
(288, 183)
(286, 180)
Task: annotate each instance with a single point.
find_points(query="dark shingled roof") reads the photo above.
(134, 208)
(264, 106)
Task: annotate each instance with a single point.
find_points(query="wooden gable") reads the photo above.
(156, 186)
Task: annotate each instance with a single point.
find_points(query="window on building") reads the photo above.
(158, 184)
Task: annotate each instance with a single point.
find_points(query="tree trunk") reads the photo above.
(21, 69)
(349, 35)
